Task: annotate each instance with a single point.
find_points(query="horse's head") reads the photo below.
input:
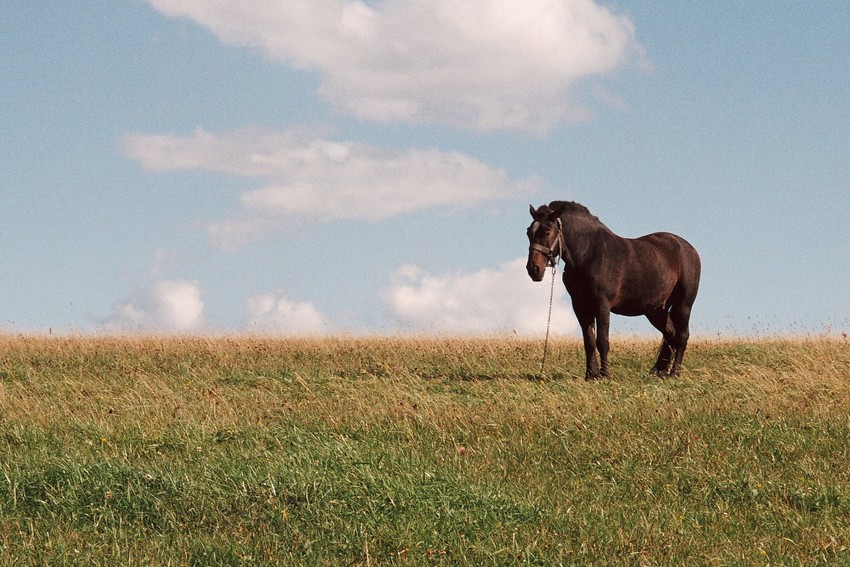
(545, 241)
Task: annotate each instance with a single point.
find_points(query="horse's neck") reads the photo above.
(582, 234)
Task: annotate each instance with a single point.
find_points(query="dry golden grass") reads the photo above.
(372, 450)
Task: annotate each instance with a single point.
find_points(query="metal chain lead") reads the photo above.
(548, 320)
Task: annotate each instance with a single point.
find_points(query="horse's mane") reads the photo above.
(572, 207)
(568, 207)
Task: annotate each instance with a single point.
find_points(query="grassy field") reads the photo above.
(248, 451)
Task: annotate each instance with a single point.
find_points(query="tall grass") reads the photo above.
(345, 451)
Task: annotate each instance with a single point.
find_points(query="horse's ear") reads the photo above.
(537, 214)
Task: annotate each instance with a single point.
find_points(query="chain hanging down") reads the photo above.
(548, 319)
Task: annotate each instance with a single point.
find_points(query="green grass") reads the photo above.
(247, 451)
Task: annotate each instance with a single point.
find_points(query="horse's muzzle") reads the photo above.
(535, 271)
(539, 258)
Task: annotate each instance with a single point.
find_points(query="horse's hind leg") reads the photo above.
(665, 355)
(680, 316)
(661, 320)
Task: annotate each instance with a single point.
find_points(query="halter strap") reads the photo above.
(549, 251)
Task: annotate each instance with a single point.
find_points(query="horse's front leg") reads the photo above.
(588, 323)
(591, 364)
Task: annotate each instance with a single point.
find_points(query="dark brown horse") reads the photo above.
(656, 275)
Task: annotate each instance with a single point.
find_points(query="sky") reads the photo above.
(365, 167)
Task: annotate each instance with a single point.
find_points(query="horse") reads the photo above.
(656, 275)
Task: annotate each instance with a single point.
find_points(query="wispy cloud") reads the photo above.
(488, 301)
(322, 180)
(166, 306)
(481, 64)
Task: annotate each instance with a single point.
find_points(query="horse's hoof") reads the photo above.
(663, 374)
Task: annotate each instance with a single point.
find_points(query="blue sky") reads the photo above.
(340, 166)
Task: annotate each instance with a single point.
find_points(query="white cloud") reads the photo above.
(483, 64)
(489, 301)
(276, 313)
(168, 305)
(304, 176)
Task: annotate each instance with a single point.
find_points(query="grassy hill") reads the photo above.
(244, 451)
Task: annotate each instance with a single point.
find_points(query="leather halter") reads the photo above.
(550, 251)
